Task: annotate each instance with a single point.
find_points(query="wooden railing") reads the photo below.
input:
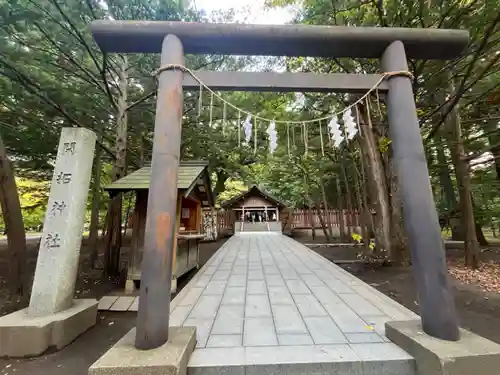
(302, 218)
(297, 219)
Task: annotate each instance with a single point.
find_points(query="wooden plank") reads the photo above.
(284, 82)
(122, 304)
(106, 302)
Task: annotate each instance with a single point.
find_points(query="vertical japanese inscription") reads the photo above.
(53, 240)
(57, 208)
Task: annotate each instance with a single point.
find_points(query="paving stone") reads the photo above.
(388, 306)
(106, 302)
(360, 305)
(279, 295)
(203, 327)
(256, 287)
(229, 320)
(259, 332)
(206, 307)
(325, 295)
(271, 270)
(347, 320)
(288, 320)
(255, 266)
(275, 280)
(191, 297)
(324, 331)
(237, 280)
(215, 287)
(234, 296)
(257, 306)
(239, 270)
(377, 323)
(221, 275)
(289, 274)
(311, 280)
(135, 305)
(179, 315)
(387, 351)
(303, 270)
(122, 304)
(307, 354)
(338, 286)
(210, 270)
(360, 338)
(226, 266)
(202, 281)
(268, 261)
(295, 339)
(209, 357)
(255, 275)
(297, 287)
(309, 306)
(224, 341)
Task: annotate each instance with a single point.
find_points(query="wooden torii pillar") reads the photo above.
(392, 45)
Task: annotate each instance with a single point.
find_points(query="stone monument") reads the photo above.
(53, 318)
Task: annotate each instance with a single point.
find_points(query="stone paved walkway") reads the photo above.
(266, 304)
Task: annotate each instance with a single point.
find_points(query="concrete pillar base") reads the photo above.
(130, 287)
(472, 354)
(22, 335)
(169, 359)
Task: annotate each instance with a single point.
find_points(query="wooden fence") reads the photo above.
(300, 219)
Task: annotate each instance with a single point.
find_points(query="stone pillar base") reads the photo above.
(130, 286)
(169, 359)
(22, 335)
(472, 354)
(173, 286)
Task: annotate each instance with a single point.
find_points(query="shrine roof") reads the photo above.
(190, 174)
(278, 40)
(253, 191)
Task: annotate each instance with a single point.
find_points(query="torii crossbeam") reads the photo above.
(392, 45)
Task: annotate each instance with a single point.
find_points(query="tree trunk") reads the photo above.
(364, 187)
(326, 209)
(362, 209)
(220, 184)
(14, 226)
(322, 222)
(399, 253)
(350, 224)
(448, 192)
(377, 183)
(479, 230)
(341, 210)
(113, 238)
(96, 204)
(493, 140)
(455, 143)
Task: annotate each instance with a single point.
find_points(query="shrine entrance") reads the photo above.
(392, 45)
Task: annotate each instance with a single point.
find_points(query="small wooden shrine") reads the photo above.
(255, 205)
(193, 195)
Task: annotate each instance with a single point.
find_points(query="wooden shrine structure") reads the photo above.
(255, 204)
(193, 193)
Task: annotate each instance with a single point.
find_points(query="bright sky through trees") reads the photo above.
(248, 11)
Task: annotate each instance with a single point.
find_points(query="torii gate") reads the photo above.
(392, 45)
